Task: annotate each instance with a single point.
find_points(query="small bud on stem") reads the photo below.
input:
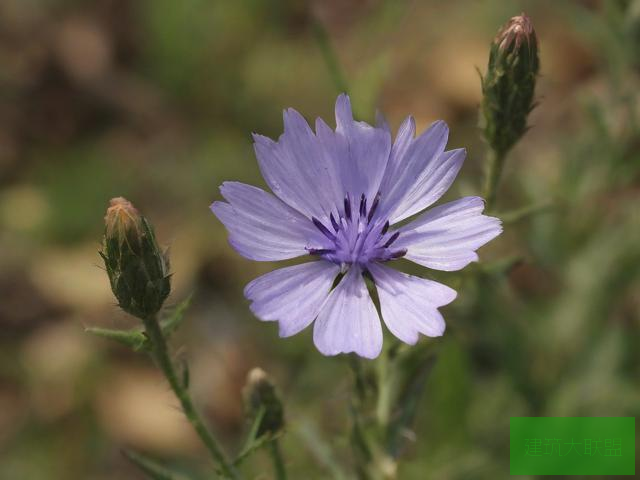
(139, 274)
(138, 270)
(260, 393)
(509, 84)
(508, 90)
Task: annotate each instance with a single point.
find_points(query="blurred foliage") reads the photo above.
(155, 100)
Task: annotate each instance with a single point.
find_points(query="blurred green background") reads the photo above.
(155, 100)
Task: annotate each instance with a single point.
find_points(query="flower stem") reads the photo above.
(494, 164)
(368, 431)
(278, 462)
(161, 354)
(330, 57)
(383, 405)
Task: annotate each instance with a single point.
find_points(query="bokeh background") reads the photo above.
(155, 100)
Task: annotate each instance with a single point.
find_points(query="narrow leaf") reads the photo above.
(134, 339)
(171, 323)
(252, 443)
(320, 449)
(153, 469)
(255, 426)
(525, 212)
(411, 370)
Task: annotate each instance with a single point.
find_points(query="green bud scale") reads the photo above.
(138, 270)
(260, 394)
(509, 84)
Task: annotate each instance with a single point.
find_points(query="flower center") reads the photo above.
(358, 237)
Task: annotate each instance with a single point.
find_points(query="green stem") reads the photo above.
(330, 57)
(368, 431)
(278, 462)
(383, 406)
(494, 164)
(359, 441)
(161, 355)
(384, 465)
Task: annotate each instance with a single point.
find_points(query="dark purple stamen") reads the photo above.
(335, 225)
(374, 205)
(398, 253)
(393, 238)
(319, 251)
(363, 205)
(358, 239)
(347, 207)
(325, 231)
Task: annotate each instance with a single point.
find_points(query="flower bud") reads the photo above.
(138, 270)
(260, 393)
(509, 85)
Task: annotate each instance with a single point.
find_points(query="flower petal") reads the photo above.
(446, 237)
(348, 321)
(410, 304)
(333, 148)
(414, 170)
(263, 228)
(293, 295)
(431, 185)
(404, 139)
(360, 151)
(295, 167)
(381, 122)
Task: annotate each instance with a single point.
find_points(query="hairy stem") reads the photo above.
(278, 462)
(161, 355)
(494, 164)
(369, 429)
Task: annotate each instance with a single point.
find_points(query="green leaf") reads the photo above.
(256, 445)
(171, 323)
(134, 339)
(525, 212)
(409, 374)
(153, 469)
(252, 443)
(253, 432)
(320, 449)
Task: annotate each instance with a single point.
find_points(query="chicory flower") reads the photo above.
(338, 196)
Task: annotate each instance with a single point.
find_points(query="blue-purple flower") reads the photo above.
(338, 195)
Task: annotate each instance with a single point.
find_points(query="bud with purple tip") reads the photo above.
(509, 84)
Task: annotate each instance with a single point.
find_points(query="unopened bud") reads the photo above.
(509, 85)
(517, 31)
(138, 270)
(260, 395)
